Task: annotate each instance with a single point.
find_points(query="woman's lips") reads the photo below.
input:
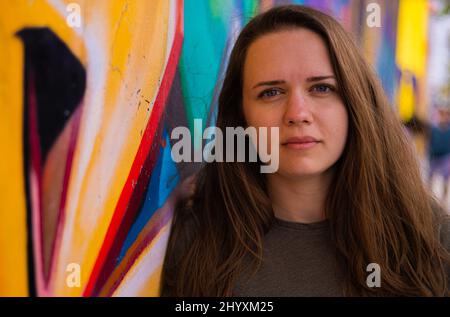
(301, 143)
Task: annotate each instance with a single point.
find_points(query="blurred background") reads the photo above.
(90, 90)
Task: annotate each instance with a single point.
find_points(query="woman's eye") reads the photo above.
(269, 93)
(323, 88)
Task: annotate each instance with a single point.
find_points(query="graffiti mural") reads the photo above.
(88, 185)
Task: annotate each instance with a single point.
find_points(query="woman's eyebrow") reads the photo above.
(319, 78)
(269, 83)
(278, 82)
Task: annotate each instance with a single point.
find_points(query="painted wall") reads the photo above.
(86, 177)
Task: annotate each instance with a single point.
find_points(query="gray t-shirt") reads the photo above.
(298, 260)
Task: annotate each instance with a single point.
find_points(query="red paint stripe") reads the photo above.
(132, 209)
(150, 231)
(143, 151)
(75, 124)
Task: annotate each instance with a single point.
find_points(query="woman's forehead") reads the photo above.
(297, 52)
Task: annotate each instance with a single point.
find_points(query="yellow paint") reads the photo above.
(152, 288)
(406, 98)
(411, 56)
(412, 28)
(135, 36)
(131, 38)
(17, 15)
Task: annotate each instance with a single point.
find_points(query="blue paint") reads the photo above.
(163, 181)
(206, 28)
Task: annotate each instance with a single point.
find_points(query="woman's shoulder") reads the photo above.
(443, 222)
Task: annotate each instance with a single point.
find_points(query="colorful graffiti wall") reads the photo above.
(87, 183)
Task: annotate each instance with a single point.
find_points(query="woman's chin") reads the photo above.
(300, 172)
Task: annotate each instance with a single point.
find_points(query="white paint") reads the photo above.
(91, 120)
(146, 264)
(439, 55)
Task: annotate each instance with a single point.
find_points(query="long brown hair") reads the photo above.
(378, 206)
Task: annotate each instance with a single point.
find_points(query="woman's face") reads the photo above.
(289, 83)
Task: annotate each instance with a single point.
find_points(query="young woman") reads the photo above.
(347, 200)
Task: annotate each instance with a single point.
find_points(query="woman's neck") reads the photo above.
(299, 199)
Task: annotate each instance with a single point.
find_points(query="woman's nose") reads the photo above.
(297, 110)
